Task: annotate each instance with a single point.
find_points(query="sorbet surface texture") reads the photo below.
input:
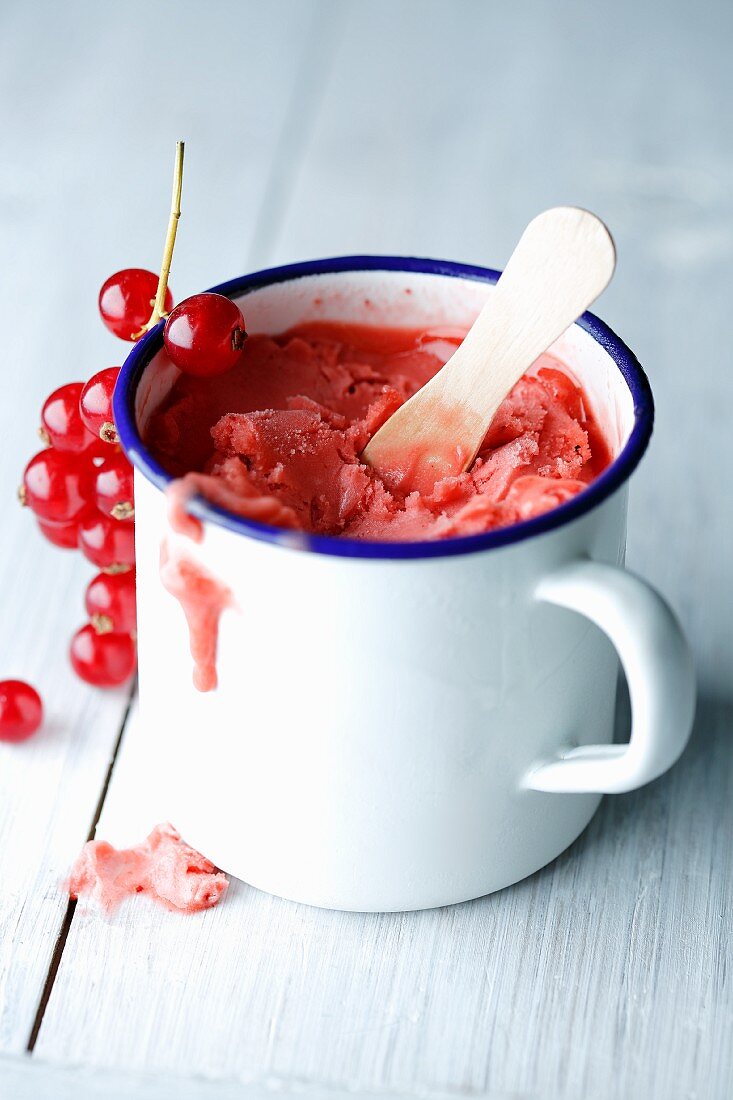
(278, 438)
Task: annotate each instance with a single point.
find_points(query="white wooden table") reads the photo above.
(316, 128)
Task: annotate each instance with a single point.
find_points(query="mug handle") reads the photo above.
(658, 664)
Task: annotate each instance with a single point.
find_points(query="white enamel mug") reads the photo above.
(400, 726)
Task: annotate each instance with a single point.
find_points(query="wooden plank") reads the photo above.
(606, 974)
(32, 1079)
(92, 102)
(583, 978)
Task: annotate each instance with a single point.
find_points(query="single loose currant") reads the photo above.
(110, 602)
(57, 485)
(61, 424)
(104, 660)
(110, 545)
(204, 335)
(21, 710)
(114, 487)
(95, 404)
(126, 299)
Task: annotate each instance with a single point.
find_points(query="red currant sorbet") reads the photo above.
(58, 485)
(104, 660)
(110, 602)
(21, 710)
(95, 404)
(126, 301)
(61, 419)
(204, 335)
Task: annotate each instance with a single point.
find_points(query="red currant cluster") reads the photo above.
(80, 489)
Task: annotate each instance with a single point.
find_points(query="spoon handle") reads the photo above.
(564, 259)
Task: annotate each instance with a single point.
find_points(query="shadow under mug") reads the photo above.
(404, 725)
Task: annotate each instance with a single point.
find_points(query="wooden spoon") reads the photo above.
(563, 261)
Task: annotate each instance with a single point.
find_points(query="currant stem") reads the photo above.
(170, 240)
(102, 624)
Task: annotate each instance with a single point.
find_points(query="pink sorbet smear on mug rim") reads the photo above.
(203, 599)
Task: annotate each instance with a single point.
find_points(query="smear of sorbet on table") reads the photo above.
(164, 867)
(278, 439)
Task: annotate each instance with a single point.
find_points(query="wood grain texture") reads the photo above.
(88, 132)
(33, 1079)
(583, 980)
(608, 973)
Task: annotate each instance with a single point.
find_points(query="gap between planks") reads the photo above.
(65, 928)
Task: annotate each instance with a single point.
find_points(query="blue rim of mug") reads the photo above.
(599, 490)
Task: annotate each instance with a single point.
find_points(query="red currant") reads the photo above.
(204, 335)
(57, 485)
(113, 481)
(65, 535)
(21, 710)
(110, 602)
(107, 543)
(105, 660)
(95, 404)
(61, 424)
(126, 301)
